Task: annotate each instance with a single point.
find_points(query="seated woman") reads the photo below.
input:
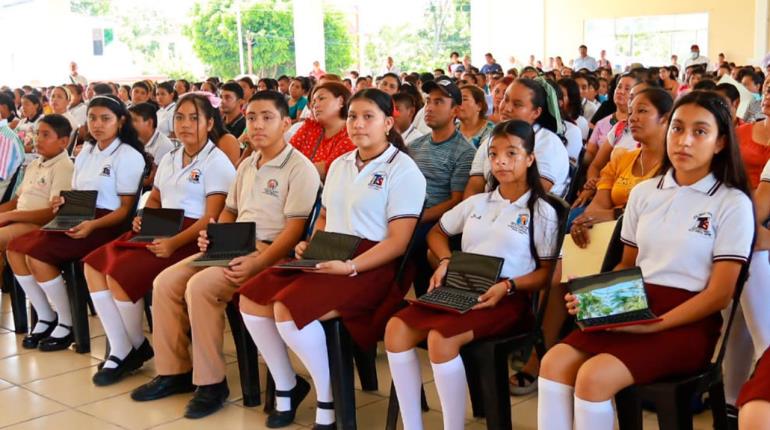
(697, 216)
(472, 115)
(167, 98)
(375, 193)
(498, 91)
(32, 112)
(648, 120)
(518, 200)
(194, 178)
(60, 97)
(324, 137)
(113, 165)
(571, 109)
(298, 96)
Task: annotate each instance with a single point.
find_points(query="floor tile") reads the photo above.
(10, 344)
(123, 411)
(65, 420)
(21, 369)
(59, 387)
(230, 417)
(34, 406)
(5, 385)
(306, 411)
(373, 416)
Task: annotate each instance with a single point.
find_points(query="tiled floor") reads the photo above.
(54, 390)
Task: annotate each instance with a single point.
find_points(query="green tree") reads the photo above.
(90, 7)
(337, 42)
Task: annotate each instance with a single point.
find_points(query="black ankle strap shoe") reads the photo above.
(278, 419)
(57, 343)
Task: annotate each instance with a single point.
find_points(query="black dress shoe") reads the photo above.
(32, 340)
(332, 426)
(278, 419)
(110, 375)
(207, 400)
(51, 343)
(163, 386)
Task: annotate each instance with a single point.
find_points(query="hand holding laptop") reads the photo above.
(82, 230)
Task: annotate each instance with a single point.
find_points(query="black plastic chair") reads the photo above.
(673, 397)
(486, 361)
(578, 178)
(614, 252)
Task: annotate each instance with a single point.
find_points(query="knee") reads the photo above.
(281, 312)
(249, 307)
(92, 278)
(553, 367)
(755, 415)
(440, 348)
(396, 336)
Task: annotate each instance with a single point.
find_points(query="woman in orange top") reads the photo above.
(324, 137)
(648, 117)
(754, 141)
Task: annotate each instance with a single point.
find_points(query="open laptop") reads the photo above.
(227, 241)
(324, 246)
(611, 299)
(156, 223)
(468, 277)
(78, 206)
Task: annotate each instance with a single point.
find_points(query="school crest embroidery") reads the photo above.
(520, 224)
(272, 188)
(377, 181)
(702, 224)
(106, 170)
(195, 176)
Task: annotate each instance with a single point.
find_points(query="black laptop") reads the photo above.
(78, 206)
(468, 277)
(227, 241)
(325, 246)
(611, 299)
(156, 223)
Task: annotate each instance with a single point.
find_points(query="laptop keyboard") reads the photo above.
(642, 315)
(450, 298)
(229, 255)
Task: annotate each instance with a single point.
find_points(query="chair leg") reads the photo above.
(718, 406)
(339, 347)
(367, 368)
(493, 383)
(629, 408)
(269, 393)
(473, 375)
(78, 296)
(674, 409)
(248, 365)
(91, 309)
(391, 422)
(19, 308)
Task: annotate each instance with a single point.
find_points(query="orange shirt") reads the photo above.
(617, 176)
(310, 142)
(754, 154)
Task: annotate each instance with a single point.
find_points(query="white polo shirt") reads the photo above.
(582, 124)
(166, 119)
(283, 188)
(79, 113)
(765, 176)
(158, 146)
(210, 172)
(113, 172)
(551, 155)
(574, 140)
(492, 225)
(681, 231)
(363, 203)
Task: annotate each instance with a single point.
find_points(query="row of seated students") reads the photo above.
(376, 192)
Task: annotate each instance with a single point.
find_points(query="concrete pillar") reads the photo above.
(308, 35)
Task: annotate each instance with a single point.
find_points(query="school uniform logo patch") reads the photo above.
(195, 176)
(106, 170)
(702, 224)
(377, 181)
(520, 224)
(272, 188)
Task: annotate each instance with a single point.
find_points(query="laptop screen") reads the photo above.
(161, 222)
(237, 236)
(610, 293)
(78, 203)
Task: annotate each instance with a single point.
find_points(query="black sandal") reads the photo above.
(328, 406)
(32, 340)
(51, 343)
(278, 419)
(522, 383)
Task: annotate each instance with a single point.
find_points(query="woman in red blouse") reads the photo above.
(324, 137)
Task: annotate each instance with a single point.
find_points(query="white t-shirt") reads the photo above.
(419, 122)
(765, 176)
(363, 203)
(590, 108)
(550, 153)
(493, 226)
(158, 146)
(680, 231)
(585, 129)
(574, 140)
(187, 188)
(166, 119)
(411, 134)
(113, 172)
(79, 113)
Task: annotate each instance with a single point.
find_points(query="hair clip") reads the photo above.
(214, 100)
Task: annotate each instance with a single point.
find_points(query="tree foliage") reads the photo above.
(90, 7)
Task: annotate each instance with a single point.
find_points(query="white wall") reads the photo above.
(308, 35)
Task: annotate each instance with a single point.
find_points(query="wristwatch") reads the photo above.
(511, 287)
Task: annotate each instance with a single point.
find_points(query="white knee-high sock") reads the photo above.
(56, 291)
(108, 313)
(452, 387)
(405, 369)
(554, 405)
(270, 344)
(754, 302)
(310, 346)
(132, 315)
(594, 415)
(39, 301)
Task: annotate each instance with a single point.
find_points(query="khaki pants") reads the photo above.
(186, 299)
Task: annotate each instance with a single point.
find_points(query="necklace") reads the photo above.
(361, 162)
(191, 156)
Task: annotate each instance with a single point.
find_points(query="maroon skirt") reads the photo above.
(121, 263)
(679, 351)
(56, 248)
(758, 387)
(364, 302)
(511, 314)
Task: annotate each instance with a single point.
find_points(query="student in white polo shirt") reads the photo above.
(167, 100)
(113, 166)
(144, 117)
(195, 178)
(690, 231)
(275, 188)
(499, 223)
(376, 193)
(535, 102)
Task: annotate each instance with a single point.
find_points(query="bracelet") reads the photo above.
(353, 272)
(511, 287)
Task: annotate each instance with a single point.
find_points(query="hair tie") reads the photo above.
(102, 97)
(396, 113)
(552, 103)
(214, 100)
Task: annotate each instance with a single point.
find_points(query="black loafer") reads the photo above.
(110, 375)
(207, 400)
(51, 343)
(32, 340)
(278, 419)
(332, 426)
(163, 386)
